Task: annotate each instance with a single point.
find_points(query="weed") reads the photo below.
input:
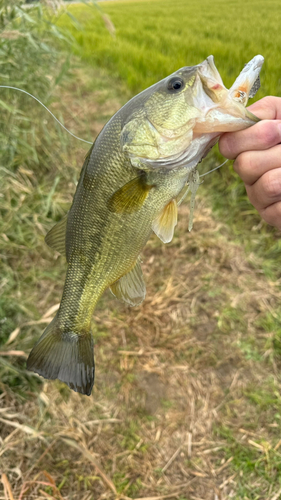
(187, 383)
(164, 39)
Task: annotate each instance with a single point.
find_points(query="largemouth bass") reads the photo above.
(133, 178)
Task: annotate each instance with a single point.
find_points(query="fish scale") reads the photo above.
(131, 182)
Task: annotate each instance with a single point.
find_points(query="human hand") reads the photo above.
(257, 154)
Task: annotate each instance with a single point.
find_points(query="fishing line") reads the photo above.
(69, 132)
(216, 168)
(25, 92)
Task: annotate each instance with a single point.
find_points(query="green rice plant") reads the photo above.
(153, 39)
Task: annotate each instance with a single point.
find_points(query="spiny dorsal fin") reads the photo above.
(55, 238)
(165, 222)
(131, 287)
(130, 197)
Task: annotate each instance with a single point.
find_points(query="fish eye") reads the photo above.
(175, 84)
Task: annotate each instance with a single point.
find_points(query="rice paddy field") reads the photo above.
(187, 402)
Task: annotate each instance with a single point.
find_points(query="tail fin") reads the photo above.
(64, 355)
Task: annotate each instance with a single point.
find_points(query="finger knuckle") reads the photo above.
(237, 165)
(272, 215)
(243, 163)
(268, 101)
(267, 217)
(272, 184)
(268, 134)
(226, 146)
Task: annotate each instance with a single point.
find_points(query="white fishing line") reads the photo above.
(79, 138)
(216, 168)
(25, 92)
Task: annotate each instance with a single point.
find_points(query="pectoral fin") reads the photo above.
(166, 221)
(130, 197)
(55, 238)
(131, 287)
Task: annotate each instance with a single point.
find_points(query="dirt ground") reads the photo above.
(174, 410)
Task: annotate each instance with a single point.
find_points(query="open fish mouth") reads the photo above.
(229, 103)
(206, 110)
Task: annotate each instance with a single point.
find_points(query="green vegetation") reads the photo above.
(28, 148)
(27, 54)
(148, 48)
(255, 455)
(187, 394)
(154, 38)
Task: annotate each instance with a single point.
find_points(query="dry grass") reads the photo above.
(176, 378)
(162, 384)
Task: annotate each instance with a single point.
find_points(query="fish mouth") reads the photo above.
(220, 110)
(225, 110)
(210, 80)
(245, 86)
(208, 69)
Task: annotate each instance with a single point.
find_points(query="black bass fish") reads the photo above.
(133, 178)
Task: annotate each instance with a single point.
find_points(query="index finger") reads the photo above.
(263, 135)
(268, 108)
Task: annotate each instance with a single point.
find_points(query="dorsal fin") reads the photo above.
(55, 238)
(165, 222)
(131, 287)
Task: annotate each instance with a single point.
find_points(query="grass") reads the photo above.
(174, 376)
(187, 395)
(166, 39)
(26, 54)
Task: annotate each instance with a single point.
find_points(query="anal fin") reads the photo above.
(165, 222)
(131, 287)
(55, 238)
